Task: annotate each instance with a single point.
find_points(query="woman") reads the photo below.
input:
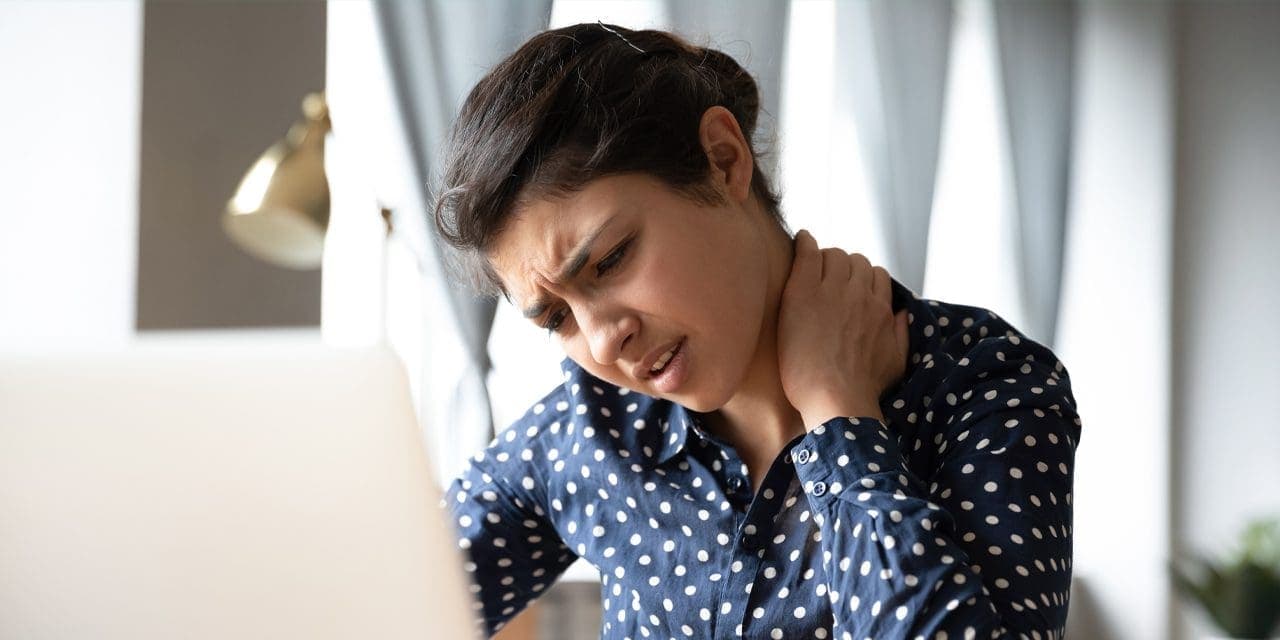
(754, 437)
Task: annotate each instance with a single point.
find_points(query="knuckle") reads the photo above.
(831, 257)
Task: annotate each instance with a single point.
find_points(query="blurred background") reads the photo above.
(1106, 175)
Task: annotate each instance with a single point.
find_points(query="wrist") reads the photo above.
(849, 409)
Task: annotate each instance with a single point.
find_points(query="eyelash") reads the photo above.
(606, 265)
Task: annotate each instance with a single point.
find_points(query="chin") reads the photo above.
(705, 401)
(699, 406)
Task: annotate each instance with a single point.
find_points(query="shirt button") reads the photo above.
(736, 483)
(749, 542)
(819, 488)
(802, 456)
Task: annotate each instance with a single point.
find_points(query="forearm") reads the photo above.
(897, 563)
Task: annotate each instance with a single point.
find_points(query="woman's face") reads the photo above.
(626, 272)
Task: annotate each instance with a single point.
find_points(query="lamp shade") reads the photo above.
(280, 210)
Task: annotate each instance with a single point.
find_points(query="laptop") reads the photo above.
(222, 490)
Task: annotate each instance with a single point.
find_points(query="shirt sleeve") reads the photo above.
(982, 547)
(515, 552)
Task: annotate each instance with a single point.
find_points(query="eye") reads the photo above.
(554, 321)
(610, 261)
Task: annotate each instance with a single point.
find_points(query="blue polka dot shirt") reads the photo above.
(949, 519)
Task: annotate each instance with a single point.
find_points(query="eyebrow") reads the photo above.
(571, 267)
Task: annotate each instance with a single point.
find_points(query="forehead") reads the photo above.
(543, 231)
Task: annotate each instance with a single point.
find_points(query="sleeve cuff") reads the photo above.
(844, 454)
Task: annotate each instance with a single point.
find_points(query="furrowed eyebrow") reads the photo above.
(571, 267)
(536, 310)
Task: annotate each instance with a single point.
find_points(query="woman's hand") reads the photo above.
(840, 346)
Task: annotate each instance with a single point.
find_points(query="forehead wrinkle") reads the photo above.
(539, 301)
(522, 251)
(568, 269)
(538, 273)
(557, 213)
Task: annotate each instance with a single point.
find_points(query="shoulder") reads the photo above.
(581, 415)
(970, 358)
(944, 330)
(532, 439)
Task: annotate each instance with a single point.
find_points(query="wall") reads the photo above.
(70, 74)
(221, 82)
(82, 130)
(1226, 346)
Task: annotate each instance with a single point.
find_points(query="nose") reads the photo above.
(607, 330)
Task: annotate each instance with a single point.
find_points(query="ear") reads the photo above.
(728, 153)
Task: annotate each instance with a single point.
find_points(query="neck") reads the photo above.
(759, 417)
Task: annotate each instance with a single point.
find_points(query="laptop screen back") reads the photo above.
(220, 492)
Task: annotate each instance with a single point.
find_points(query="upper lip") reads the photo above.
(642, 372)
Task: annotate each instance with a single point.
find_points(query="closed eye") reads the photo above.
(610, 261)
(555, 319)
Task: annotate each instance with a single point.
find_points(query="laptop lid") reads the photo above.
(220, 491)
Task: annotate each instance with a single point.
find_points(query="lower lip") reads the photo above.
(674, 373)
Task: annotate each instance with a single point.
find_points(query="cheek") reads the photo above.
(718, 296)
(578, 351)
(729, 299)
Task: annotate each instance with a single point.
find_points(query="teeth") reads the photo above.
(662, 361)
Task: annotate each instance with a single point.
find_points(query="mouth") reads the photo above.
(667, 370)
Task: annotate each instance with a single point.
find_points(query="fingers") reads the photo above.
(806, 266)
(836, 266)
(880, 285)
(861, 275)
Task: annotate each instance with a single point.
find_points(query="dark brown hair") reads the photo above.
(579, 103)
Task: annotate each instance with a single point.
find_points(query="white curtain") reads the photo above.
(754, 32)
(1035, 44)
(437, 50)
(891, 74)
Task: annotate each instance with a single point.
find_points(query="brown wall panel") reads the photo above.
(221, 81)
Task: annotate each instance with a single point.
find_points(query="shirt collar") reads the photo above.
(680, 422)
